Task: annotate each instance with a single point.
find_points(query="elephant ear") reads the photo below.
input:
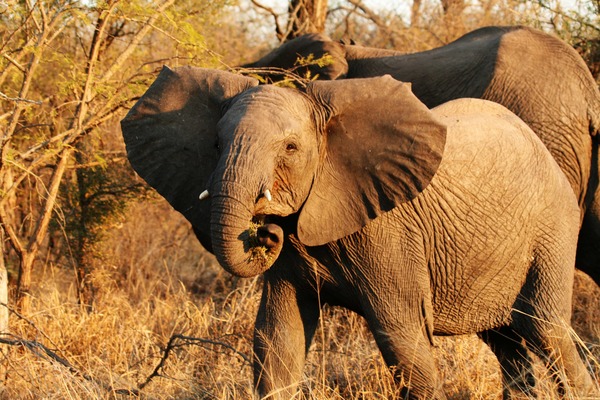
(311, 45)
(382, 148)
(170, 135)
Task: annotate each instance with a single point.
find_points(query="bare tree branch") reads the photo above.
(17, 99)
(369, 14)
(306, 16)
(124, 56)
(14, 62)
(275, 16)
(23, 318)
(566, 15)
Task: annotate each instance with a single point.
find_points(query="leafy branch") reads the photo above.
(291, 76)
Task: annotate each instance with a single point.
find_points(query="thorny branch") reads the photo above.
(290, 76)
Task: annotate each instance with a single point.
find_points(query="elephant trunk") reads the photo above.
(244, 245)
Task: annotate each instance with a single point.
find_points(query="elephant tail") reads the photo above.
(595, 124)
(594, 112)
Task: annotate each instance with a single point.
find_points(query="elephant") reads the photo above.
(353, 193)
(535, 75)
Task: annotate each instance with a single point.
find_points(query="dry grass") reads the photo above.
(155, 281)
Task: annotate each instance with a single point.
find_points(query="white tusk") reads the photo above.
(267, 194)
(204, 195)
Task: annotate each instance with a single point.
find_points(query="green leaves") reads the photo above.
(84, 64)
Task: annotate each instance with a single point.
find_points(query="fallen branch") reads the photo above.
(50, 355)
(42, 351)
(187, 340)
(45, 352)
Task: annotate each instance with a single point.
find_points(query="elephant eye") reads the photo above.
(217, 146)
(291, 147)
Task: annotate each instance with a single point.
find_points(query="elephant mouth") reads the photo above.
(264, 239)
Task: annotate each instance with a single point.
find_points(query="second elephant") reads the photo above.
(535, 75)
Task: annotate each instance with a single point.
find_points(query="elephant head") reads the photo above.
(314, 44)
(332, 157)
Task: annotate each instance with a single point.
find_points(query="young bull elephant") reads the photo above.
(353, 193)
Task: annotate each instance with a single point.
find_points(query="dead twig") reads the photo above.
(187, 340)
(278, 29)
(41, 351)
(19, 99)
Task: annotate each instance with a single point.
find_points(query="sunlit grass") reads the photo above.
(156, 284)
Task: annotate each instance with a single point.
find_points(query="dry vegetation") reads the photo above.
(125, 302)
(158, 285)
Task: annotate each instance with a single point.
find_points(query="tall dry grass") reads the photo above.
(157, 287)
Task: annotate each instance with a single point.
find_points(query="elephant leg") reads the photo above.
(285, 325)
(542, 317)
(554, 345)
(408, 354)
(402, 328)
(588, 247)
(518, 380)
(398, 309)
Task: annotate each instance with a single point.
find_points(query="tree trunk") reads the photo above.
(3, 289)
(453, 19)
(27, 257)
(306, 16)
(453, 7)
(4, 328)
(415, 14)
(24, 282)
(83, 245)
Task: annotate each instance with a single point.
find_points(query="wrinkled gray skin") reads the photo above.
(535, 75)
(442, 222)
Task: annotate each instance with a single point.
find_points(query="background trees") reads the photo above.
(69, 72)
(421, 24)
(95, 267)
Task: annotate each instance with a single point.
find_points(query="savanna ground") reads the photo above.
(124, 302)
(160, 288)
